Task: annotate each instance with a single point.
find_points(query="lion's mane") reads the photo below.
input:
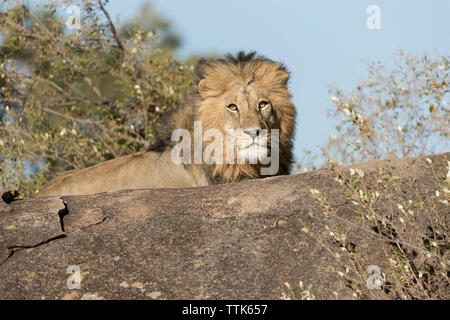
(212, 78)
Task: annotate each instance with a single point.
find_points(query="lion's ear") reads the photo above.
(200, 76)
(202, 89)
(200, 69)
(272, 74)
(284, 75)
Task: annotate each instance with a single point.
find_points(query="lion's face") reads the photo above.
(246, 99)
(247, 115)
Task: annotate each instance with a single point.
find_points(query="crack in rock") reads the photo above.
(29, 223)
(5, 252)
(80, 218)
(62, 213)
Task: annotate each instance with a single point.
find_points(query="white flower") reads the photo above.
(448, 173)
(360, 172)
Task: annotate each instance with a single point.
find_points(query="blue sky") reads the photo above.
(322, 43)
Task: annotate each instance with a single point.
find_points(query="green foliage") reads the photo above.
(70, 99)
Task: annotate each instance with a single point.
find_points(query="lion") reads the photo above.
(245, 94)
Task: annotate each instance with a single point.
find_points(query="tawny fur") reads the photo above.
(244, 78)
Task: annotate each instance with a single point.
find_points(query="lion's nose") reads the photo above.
(253, 132)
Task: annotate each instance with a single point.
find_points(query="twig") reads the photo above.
(111, 26)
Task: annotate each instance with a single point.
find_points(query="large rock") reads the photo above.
(260, 239)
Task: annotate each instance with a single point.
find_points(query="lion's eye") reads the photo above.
(232, 107)
(263, 104)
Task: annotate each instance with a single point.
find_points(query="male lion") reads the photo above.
(246, 93)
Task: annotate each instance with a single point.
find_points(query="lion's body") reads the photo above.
(137, 171)
(242, 82)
